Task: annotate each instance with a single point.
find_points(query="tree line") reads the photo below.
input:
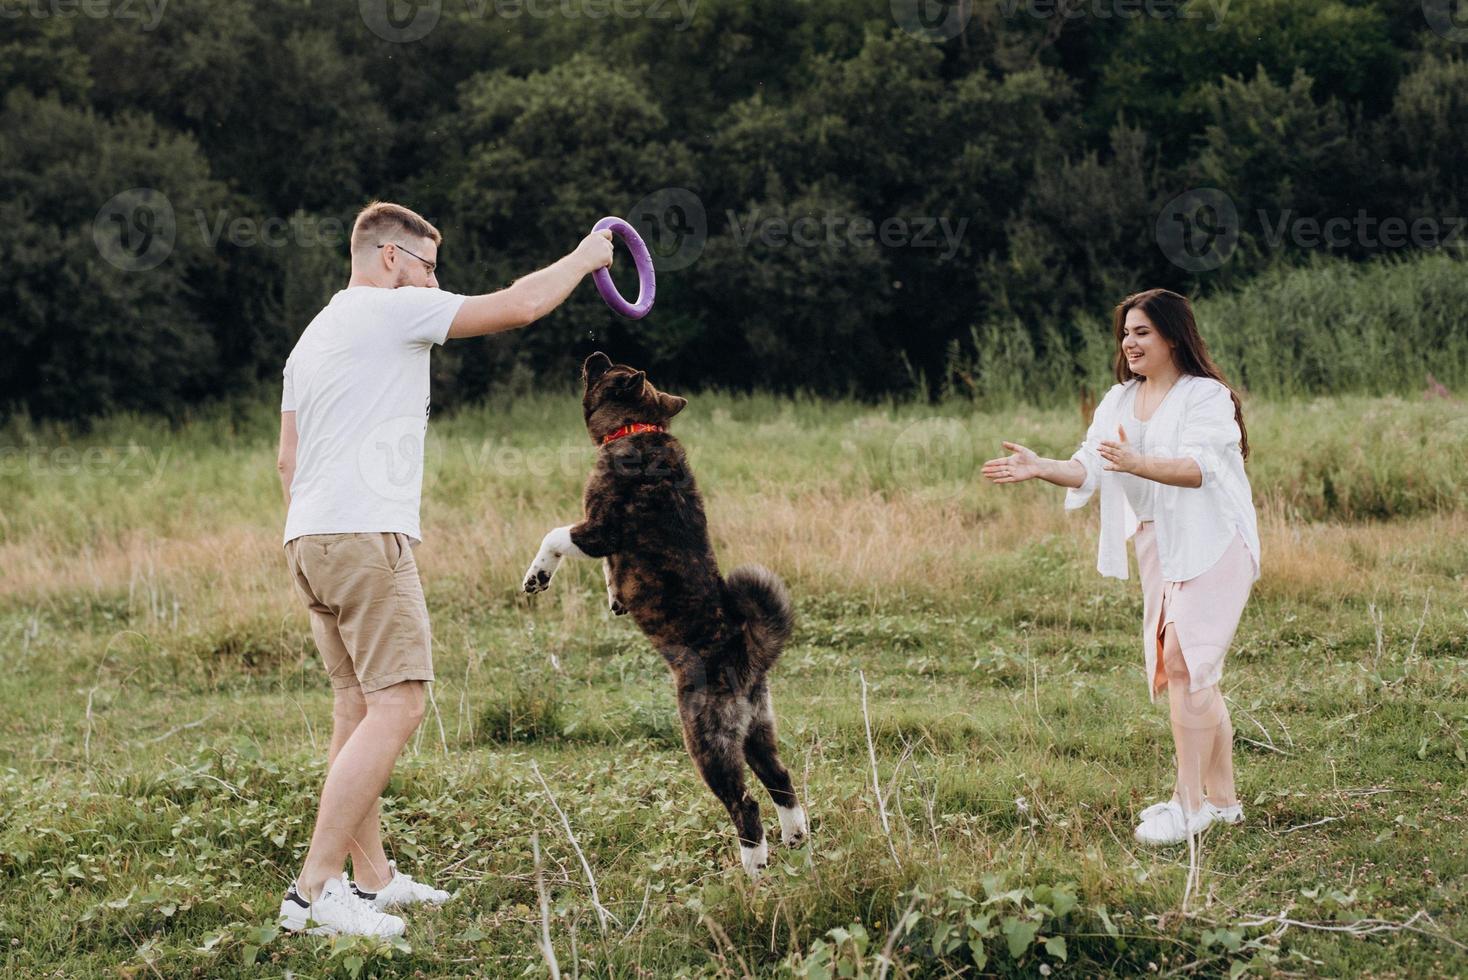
(848, 197)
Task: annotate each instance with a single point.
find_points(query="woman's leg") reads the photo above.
(1197, 718)
(1218, 773)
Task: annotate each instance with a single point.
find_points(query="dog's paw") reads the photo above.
(793, 829)
(538, 577)
(755, 859)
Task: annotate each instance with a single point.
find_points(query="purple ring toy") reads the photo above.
(646, 284)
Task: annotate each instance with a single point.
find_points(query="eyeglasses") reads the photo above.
(431, 265)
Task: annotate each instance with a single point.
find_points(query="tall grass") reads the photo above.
(495, 466)
(1329, 327)
(1335, 327)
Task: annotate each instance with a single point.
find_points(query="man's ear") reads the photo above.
(671, 404)
(596, 365)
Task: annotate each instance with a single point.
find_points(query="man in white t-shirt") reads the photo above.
(354, 413)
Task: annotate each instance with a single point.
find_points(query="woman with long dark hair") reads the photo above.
(1166, 448)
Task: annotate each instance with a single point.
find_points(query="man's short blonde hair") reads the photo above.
(381, 221)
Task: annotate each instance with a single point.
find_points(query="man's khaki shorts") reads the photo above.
(367, 608)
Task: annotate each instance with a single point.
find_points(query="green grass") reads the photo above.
(165, 715)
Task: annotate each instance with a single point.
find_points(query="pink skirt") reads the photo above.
(1204, 611)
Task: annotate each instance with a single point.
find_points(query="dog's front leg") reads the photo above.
(584, 540)
(613, 603)
(557, 544)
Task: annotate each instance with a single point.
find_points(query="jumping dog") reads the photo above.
(719, 635)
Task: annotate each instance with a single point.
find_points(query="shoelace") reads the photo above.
(355, 903)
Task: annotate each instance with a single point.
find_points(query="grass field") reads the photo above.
(165, 717)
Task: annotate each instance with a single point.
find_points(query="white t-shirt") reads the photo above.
(1140, 493)
(358, 383)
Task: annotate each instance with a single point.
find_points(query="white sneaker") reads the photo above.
(401, 890)
(1155, 809)
(1227, 814)
(1171, 826)
(336, 911)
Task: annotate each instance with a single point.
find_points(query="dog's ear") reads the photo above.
(671, 404)
(631, 382)
(596, 365)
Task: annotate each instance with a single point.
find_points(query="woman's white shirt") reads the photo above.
(1194, 525)
(1140, 492)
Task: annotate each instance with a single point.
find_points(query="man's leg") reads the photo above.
(358, 774)
(369, 861)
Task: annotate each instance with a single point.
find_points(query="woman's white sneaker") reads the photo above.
(1156, 809)
(401, 890)
(1172, 826)
(1227, 814)
(1224, 814)
(336, 912)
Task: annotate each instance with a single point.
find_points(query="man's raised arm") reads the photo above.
(532, 297)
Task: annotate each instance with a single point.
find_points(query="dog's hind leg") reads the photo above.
(762, 753)
(723, 771)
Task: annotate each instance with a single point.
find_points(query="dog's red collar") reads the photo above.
(632, 429)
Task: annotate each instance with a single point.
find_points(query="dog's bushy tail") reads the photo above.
(762, 606)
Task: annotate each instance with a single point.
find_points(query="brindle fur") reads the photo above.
(645, 517)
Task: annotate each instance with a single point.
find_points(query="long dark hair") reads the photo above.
(1172, 315)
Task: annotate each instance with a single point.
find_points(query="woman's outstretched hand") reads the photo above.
(1119, 456)
(1022, 464)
